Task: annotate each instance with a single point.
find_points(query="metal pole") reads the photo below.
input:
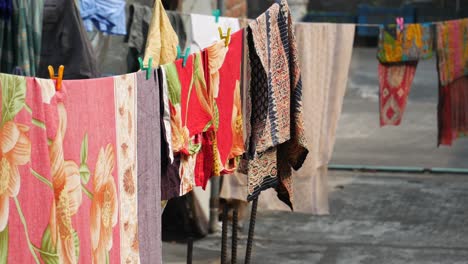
(224, 234)
(220, 5)
(214, 204)
(189, 250)
(250, 238)
(234, 236)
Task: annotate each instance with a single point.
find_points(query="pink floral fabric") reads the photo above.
(67, 171)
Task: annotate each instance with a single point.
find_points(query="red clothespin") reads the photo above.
(226, 38)
(58, 79)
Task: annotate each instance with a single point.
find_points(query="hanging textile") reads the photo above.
(23, 195)
(162, 41)
(277, 142)
(452, 57)
(21, 40)
(6, 9)
(395, 83)
(107, 16)
(140, 17)
(325, 55)
(170, 180)
(65, 42)
(205, 29)
(235, 186)
(149, 168)
(398, 55)
(224, 72)
(79, 154)
(191, 115)
(179, 24)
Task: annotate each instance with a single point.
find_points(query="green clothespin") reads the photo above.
(148, 68)
(216, 13)
(185, 56)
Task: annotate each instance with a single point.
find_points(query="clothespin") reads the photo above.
(400, 21)
(58, 79)
(227, 37)
(180, 56)
(216, 13)
(148, 68)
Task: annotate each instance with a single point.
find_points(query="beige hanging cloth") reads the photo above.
(325, 56)
(162, 40)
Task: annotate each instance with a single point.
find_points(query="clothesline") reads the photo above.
(357, 24)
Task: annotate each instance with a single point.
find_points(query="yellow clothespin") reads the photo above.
(58, 79)
(227, 37)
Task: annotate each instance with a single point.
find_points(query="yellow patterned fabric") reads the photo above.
(411, 44)
(162, 41)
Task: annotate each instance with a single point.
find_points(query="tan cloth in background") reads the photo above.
(325, 56)
(162, 40)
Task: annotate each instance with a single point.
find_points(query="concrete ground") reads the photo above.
(361, 140)
(375, 218)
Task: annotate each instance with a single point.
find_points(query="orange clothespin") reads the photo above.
(227, 37)
(58, 79)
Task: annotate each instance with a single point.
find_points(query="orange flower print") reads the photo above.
(237, 126)
(15, 151)
(180, 135)
(104, 205)
(216, 56)
(67, 194)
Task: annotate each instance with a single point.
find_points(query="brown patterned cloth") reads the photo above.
(277, 140)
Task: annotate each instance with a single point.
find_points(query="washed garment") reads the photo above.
(223, 65)
(126, 95)
(395, 83)
(191, 114)
(414, 43)
(277, 143)
(205, 29)
(24, 164)
(80, 204)
(235, 186)
(140, 17)
(6, 9)
(65, 42)
(162, 41)
(149, 168)
(325, 55)
(170, 180)
(179, 26)
(452, 57)
(398, 55)
(107, 16)
(20, 42)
